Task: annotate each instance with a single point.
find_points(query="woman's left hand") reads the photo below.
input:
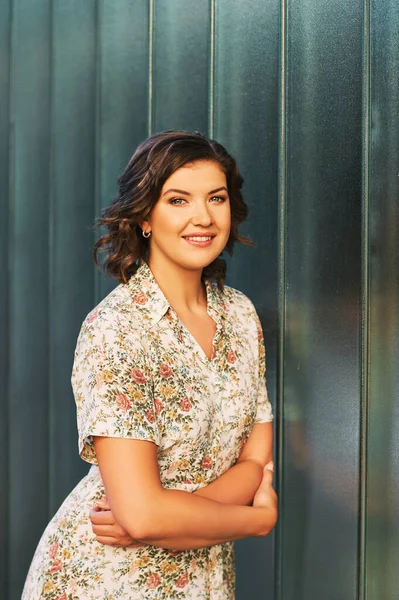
(107, 530)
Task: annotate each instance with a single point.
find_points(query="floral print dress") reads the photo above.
(139, 373)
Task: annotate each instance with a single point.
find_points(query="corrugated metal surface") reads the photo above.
(321, 286)
(382, 318)
(305, 95)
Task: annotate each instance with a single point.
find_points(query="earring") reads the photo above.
(146, 234)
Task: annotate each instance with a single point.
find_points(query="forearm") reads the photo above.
(181, 520)
(237, 486)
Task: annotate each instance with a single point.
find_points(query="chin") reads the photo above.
(193, 259)
(196, 265)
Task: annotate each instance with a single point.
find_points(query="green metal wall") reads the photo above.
(305, 94)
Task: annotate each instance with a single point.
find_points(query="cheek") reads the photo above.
(225, 220)
(166, 222)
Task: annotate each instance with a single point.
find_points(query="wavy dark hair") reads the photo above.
(140, 186)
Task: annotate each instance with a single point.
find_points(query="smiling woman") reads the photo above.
(172, 407)
(195, 219)
(178, 158)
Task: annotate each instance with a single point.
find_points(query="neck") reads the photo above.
(182, 287)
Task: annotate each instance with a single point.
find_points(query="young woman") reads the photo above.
(171, 400)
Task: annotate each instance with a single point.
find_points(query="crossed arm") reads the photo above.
(239, 484)
(219, 512)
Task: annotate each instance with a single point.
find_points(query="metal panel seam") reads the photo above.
(365, 308)
(51, 265)
(211, 112)
(282, 287)
(11, 191)
(150, 66)
(97, 141)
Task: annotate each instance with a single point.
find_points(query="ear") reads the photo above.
(145, 226)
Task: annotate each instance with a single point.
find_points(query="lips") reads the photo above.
(199, 237)
(202, 240)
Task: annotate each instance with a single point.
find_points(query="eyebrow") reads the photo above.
(188, 193)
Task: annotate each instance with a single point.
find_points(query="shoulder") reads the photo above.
(242, 312)
(237, 302)
(116, 314)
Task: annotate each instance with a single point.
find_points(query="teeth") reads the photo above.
(201, 238)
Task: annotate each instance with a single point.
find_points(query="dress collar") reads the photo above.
(152, 304)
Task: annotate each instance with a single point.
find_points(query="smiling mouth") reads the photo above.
(198, 238)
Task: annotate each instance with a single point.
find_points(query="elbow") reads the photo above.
(130, 516)
(138, 531)
(146, 524)
(143, 529)
(269, 523)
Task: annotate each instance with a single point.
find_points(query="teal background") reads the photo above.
(305, 95)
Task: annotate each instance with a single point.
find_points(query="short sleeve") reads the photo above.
(264, 412)
(112, 385)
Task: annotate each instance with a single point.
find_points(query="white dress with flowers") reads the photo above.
(139, 373)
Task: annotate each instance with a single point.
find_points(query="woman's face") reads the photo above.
(190, 224)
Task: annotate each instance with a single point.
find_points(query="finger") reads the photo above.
(106, 541)
(101, 517)
(111, 531)
(107, 531)
(103, 504)
(101, 507)
(268, 476)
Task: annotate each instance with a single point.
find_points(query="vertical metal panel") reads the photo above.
(29, 293)
(72, 201)
(321, 362)
(382, 578)
(246, 121)
(5, 30)
(123, 96)
(181, 64)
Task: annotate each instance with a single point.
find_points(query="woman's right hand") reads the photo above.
(265, 496)
(107, 530)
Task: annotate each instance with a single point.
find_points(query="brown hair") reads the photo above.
(140, 186)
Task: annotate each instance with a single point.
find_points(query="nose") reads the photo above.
(202, 215)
